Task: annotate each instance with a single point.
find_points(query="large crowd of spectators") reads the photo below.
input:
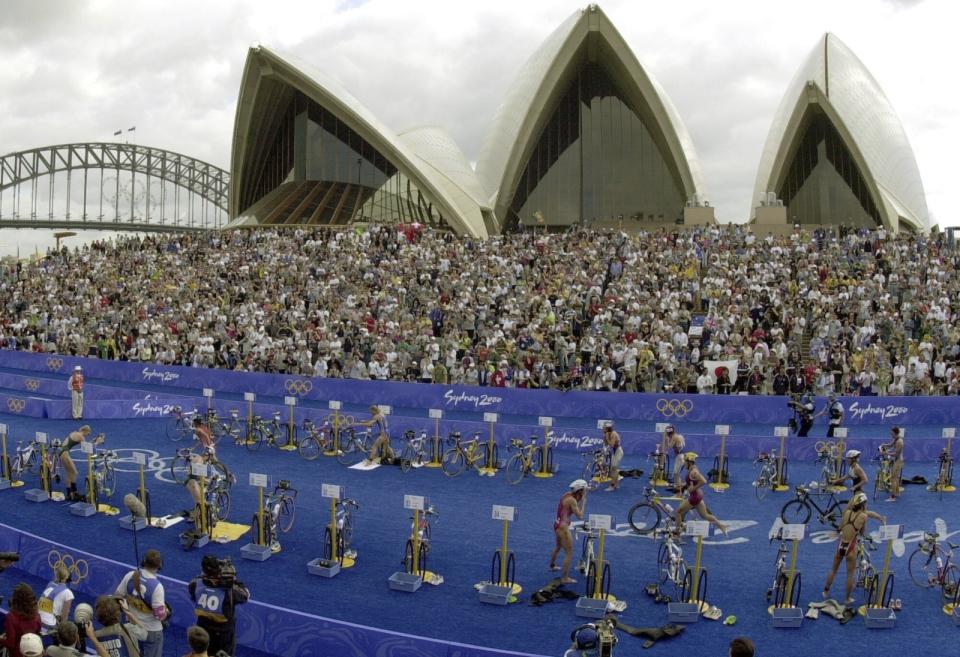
(854, 312)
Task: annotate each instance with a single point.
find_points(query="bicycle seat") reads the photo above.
(953, 546)
(284, 484)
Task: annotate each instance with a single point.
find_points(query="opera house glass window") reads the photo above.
(595, 160)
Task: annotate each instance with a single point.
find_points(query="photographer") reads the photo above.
(119, 639)
(216, 593)
(68, 636)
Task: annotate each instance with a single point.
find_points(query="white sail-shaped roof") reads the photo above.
(268, 76)
(834, 79)
(526, 106)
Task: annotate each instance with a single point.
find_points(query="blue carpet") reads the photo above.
(740, 567)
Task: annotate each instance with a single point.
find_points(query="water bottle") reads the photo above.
(668, 507)
(939, 563)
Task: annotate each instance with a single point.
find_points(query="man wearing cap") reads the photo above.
(572, 503)
(75, 385)
(31, 645)
(835, 411)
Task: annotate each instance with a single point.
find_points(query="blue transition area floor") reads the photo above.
(740, 566)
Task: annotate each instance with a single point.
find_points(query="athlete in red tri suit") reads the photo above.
(853, 524)
(572, 503)
(693, 485)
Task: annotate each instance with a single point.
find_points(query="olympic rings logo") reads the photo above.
(32, 384)
(674, 407)
(16, 405)
(54, 363)
(298, 386)
(78, 568)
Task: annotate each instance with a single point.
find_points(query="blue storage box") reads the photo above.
(255, 552)
(492, 594)
(83, 509)
(879, 618)
(323, 568)
(591, 607)
(683, 612)
(787, 617)
(130, 523)
(406, 582)
(36, 495)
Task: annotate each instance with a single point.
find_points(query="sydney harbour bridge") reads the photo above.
(111, 186)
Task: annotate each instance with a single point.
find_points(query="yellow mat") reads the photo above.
(106, 509)
(224, 532)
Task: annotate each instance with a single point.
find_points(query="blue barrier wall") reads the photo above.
(260, 626)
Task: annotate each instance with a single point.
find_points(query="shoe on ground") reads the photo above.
(554, 569)
(610, 489)
(567, 580)
(890, 499)
(275, 547)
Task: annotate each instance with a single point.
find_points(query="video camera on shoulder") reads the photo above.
(220, 572)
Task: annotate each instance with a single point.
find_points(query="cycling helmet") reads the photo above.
(853, 453)
(578, 484)
(859, 498)
(690, 456)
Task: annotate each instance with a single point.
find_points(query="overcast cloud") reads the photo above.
(74, 71)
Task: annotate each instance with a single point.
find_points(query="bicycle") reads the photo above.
(883, 482)
(414, 452)
(344, 532)
(315, 440)
(181, 423)
(217, 496)
(799, 510)
(829, 472)
(220, 429)
(672, 569)
(865, 576)
(53, 460)
(280, 511)
(645, 516)
(354, 446)
(768, 478)
(661, 466)
(27, 459)
(597, 466)
(944, 473)
(777, 593)
(930, 565)
(462, 455)
(522, 463)
(104, 474)
(424, 533)
(275, 433)
(180, 467)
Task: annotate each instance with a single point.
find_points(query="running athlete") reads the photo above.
(572, 503)
(72, 440)
(853, 524)
(855, 473)
(895, 449)
(381, 445)
(693, 486)
(612, 441)
(676, 442)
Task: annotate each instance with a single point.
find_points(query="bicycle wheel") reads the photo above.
(255, 528)
(795, 512)
(310, 448)
(589, 471)
(255, 439)
(515, 469)
(835, 513)
(16, 469)
(877, 484)
(328, 545)
(663, 562)
(176, 429)
(923, 568)
(281, 434)
(108, 482)
(346, 530)
(222, 506)
(351, 453)
(406, 458)
(33, 462)
(180, 468)
(949, 583)
(643, 517)
(286, 514)
(763, 484)
(453, 462)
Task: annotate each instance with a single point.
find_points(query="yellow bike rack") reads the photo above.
(249, 397)
(949, 433)
(88, 508)
(660, 466)
(436, 454)
(722, 482)
(502, 585)
(258, 550)
(335, 424)
(41, 494)
(785, 614)
(594, 603)
(782, 483)
(490, 464)
(545, 470)
(5, 481)
(291, 446)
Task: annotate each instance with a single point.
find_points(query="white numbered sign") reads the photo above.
(722, 429)
(436, 413)
(249, 396)
(602, 424)
(258, 480)
(140, 458)
(3, 429)
(86, 448)
(598, 521)
(504, 513)
(41, 438)
(840, 432)
(385, 410)
(198, 469)
(781, 432)
(208, 392)
(333, 405)
(330, 491)
(290, 401)
(662, 426)
(699, 528)
(413, 502)
(889, 532)
(948, 432)
(544, 421)
(793, 532)
(489, 417)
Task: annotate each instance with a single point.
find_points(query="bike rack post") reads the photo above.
(722, 480)
(330, 567)
(436, 453)
(249, 397)
(545, 470)
(949, 433)
(88, 508)
(410, 580)
(41, 494)
(785, 614)
(840, 433)
(201, 534)
(594, 603)
(5, 482)
(782, 483)
(130, 522)
(490, 464)
(502, 586)
(291, 446)
(659, 475)
(258, 550)
(208, 393)
(334, 406)
(879, 616)
(689, 610)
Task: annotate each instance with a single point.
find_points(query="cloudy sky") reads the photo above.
(77, 70)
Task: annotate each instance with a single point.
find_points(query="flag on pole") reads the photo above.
(118, 132)
(131, 129)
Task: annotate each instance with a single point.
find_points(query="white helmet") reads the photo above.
(578, 484)
(860, 498)
(853, 453)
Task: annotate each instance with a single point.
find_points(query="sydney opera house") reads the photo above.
(584, 134)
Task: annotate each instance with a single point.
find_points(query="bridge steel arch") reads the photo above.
(206, 186)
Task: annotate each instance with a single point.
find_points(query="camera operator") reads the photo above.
(144, 594)
(68, 636)
(119, 639)
(216, 593)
